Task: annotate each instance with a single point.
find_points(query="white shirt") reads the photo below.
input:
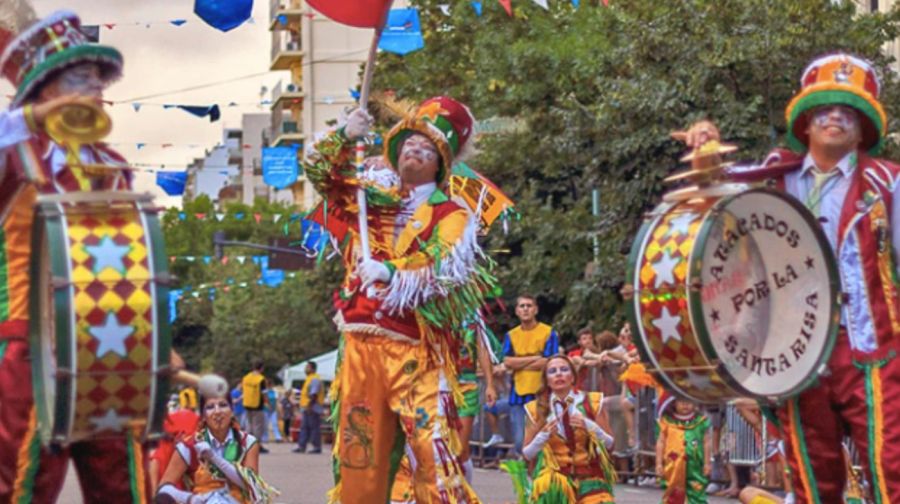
(799, 184)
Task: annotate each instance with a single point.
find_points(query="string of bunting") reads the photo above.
(147, 24)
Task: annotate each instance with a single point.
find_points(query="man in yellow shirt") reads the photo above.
(253, 385)
(311, 399)
(525, 350)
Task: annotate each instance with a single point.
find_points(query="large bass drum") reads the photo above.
(99, 316)
(735, 295)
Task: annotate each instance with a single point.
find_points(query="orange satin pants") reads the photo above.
(391, 392)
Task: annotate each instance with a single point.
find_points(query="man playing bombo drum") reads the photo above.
(835, 123)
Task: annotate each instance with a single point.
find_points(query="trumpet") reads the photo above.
(79, 123)
(73, 125)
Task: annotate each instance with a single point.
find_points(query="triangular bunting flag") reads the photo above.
(477, 6)
(220, 216)
(576, 3)
(136, 107)
(507, 6)
(224, 260)
(257, 217)
(241, 259)
(200, 216)
(542, 3)
(181, 216)
(276, 218)
(445, 8)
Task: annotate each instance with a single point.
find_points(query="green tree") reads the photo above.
(225, 318)
(600, 89)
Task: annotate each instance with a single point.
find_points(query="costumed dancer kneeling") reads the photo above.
(221, 461)
(566, 436)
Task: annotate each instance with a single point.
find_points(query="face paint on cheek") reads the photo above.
(80, 82)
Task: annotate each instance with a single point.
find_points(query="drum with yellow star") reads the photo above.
(735, 295)
(100, 335)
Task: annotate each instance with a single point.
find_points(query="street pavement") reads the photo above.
(305, 478)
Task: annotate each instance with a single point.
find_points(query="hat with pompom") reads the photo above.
(838, 79)
(446, 122)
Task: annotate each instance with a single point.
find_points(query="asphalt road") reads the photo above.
(304, 479)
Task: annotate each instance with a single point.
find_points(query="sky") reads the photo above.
(162, 58)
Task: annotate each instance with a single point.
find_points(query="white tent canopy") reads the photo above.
(325, 367)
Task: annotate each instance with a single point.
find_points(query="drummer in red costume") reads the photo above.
(835, 125)
(49, 62)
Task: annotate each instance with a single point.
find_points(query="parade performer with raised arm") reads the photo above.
(835, 126)
(50, 63)
(398, 310)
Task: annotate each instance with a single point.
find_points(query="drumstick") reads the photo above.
(208, 385)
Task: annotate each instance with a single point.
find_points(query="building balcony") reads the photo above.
(283, 59)
(287, 134)
(287, 99)
(286, 50)
(285, 13)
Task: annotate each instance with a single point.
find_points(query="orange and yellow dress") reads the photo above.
(573, 467)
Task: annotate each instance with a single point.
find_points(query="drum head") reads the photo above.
(765, 304)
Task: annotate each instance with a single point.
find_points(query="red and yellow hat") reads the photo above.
(48, 46)
(838, 79)
(446, 122)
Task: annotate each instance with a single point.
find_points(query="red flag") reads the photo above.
(507, 5)
(257, 217)
(359, 13)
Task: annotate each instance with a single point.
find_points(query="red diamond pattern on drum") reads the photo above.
(111, 381)
(662, 271)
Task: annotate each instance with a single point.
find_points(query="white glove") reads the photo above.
(359, 122)
(168, 493)
(203, 449)
(598, 433)
(371, 271)
(536, 445)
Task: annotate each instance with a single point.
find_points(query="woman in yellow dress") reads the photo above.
(220, 463)
(566, 437)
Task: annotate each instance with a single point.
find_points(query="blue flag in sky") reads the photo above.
(402, 33)
(223, 15)
(172, 182)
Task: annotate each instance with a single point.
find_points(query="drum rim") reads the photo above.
(56, 423)
(695, 305)
(162, 339)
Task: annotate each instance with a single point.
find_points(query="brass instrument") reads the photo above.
(75, 124)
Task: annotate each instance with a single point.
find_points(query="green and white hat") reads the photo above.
(48, 46)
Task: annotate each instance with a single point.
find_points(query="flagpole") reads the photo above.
(360, 144)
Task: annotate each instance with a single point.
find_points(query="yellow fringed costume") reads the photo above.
(575, 470)
(396, 382)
